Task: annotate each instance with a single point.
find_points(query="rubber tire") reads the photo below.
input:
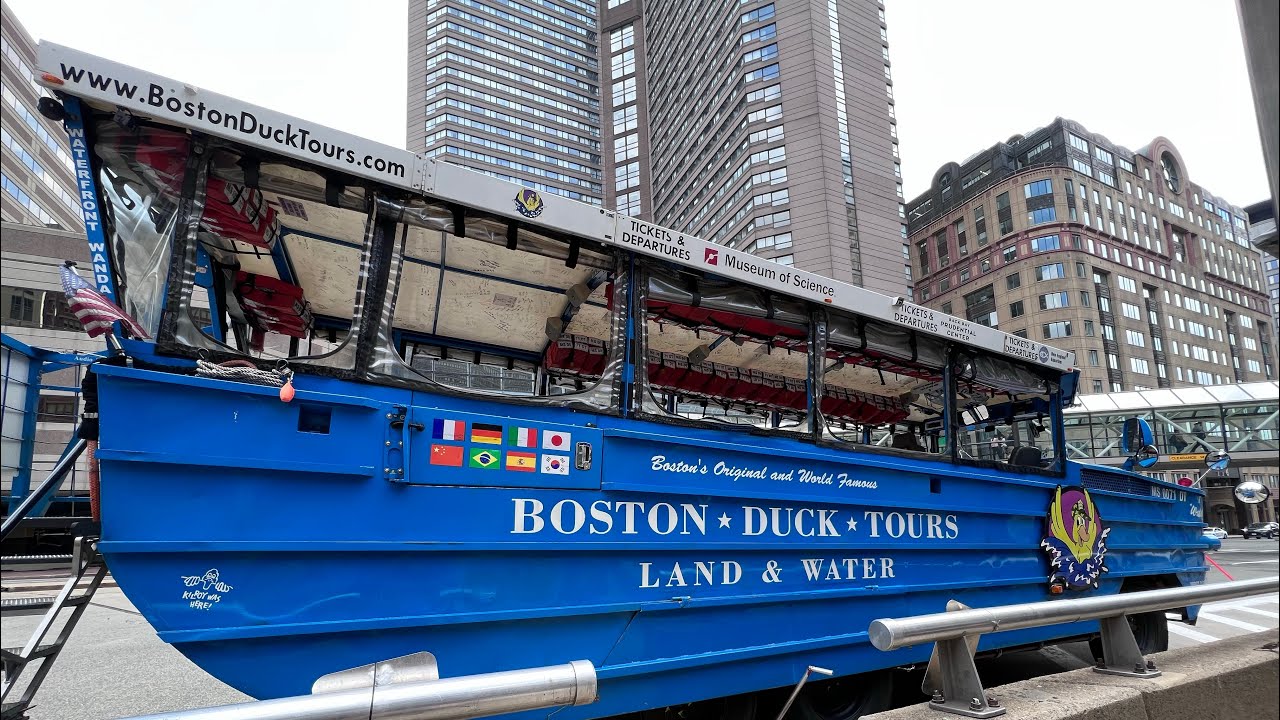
(846, 698)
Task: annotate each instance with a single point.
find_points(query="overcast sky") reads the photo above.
(966, 74)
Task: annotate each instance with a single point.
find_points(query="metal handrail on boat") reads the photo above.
(398, 689)
(50, 484)
(956, 634)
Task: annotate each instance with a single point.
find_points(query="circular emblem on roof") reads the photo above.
(1044, 353)
(529, 203)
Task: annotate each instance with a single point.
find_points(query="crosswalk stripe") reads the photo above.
(1232, 604)
(1186, 632)
(1258, 611)
(1214, 617)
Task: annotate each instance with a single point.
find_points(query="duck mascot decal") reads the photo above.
(1075, 541)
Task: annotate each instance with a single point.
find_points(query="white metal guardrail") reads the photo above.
(956, 634)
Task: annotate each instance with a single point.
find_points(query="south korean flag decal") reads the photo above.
(555, 464)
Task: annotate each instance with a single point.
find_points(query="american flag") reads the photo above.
(93, 309)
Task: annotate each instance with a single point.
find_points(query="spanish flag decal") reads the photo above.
(522, 461)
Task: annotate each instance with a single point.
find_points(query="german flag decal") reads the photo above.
(487, 434)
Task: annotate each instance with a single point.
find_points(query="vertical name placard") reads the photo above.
(87, 189)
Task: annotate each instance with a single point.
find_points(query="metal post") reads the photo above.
(803, 679)
(962, 691)
(1120, 652)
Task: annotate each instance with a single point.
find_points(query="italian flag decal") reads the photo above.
(522, 437)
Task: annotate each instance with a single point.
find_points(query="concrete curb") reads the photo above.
(1225, 680)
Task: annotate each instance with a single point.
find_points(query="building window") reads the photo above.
(1046, 242)
(629, 204)
(624, 91)
(1004, 214)
(1038, 188)
(625, 119)
(1052, 271)
(1016, 309)
(627, 176)
(623, 37)
(980, 224)
(1078, 142)
(1088, 328)
(1097, 386)
(1139, 365)
(1084, 299)
(1103, 155)
(623, 63)
(1135, 338)
(1013, 281)
(1055, 330)
(1041, 216)
(760, 13)
(1082, 167)
(1053, 301)
(626, 147)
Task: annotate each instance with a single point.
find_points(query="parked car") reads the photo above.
(1262, 530)
(1216, 532)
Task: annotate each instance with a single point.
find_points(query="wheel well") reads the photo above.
(1156, 582)
(1149, 582)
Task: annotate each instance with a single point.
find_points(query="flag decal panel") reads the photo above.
(556, 440)
(524, 437)
(443, 429)
(486, 434)
(555, 464)
(483, 459)
(522, 461)
(448, 455)
(458, 448)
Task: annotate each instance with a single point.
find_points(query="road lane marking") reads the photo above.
(1188, 633)
(1254, 562)
(1214, 617)
(1263, 600)
(1258, 611)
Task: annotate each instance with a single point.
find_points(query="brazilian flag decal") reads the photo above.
(483, 459)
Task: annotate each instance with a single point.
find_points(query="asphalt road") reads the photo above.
(114, 666)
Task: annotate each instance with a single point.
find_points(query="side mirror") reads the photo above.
(1217, 460)
(1252, 493)
(1136, 435)
(1147, 456)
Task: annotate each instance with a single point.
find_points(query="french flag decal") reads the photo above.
(448, 429)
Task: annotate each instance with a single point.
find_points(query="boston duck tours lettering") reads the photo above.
(644, 520)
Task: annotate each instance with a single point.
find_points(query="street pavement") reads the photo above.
(114, 665)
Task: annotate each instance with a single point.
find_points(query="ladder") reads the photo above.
(87, 573)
